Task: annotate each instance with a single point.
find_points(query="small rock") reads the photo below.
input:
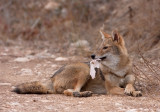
(45, 101)
(49, 107)
(53, 65)
(80, 102)
(132, 110)
(52, 5)
(80, 43)
(14, 104)
(64, 12)
(22, 59)
(25, 71)
(81, 47)
(53, 56)
(4, 54)
(5, 84)
(61, 59)
(118, 104)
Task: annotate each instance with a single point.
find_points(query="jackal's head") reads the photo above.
(112, 49)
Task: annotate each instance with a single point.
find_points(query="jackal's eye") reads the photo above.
(105, 47)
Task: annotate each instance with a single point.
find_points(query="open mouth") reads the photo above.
(98, 58)
(102, 58)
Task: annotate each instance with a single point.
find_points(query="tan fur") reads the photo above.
(74, 79)
(117, 67)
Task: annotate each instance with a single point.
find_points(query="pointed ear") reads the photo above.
(117, 37)
(104, 35)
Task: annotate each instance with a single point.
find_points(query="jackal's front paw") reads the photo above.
(137, 93)
(76, 94)
(129, 90)
(86, 93)
(68, 92)
(82, 94)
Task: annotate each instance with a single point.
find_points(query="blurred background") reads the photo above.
(72, 26)
(37, 37)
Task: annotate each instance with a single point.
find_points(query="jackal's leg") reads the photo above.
(112, 85)
(69, 92)
(116, 91)
(76, 91)
(113, 89)
(129, 89)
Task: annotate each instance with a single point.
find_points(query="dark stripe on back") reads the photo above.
(59, 71)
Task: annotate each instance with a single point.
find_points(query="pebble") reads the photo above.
(22, 59)
(5, 84)
(61, 59)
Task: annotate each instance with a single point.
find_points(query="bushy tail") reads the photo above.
(35, 87)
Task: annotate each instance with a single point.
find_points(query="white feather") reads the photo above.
(94, 64)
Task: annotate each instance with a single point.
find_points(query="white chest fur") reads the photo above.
(112, 62)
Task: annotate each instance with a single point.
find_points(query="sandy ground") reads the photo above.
(22, 64)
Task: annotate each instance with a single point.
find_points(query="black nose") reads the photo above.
(93, 56)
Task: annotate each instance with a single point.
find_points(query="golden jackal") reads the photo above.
(113, 77)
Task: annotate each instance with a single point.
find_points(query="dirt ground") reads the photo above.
(22, 63)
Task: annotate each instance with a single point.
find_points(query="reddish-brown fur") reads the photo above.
(74, 79)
